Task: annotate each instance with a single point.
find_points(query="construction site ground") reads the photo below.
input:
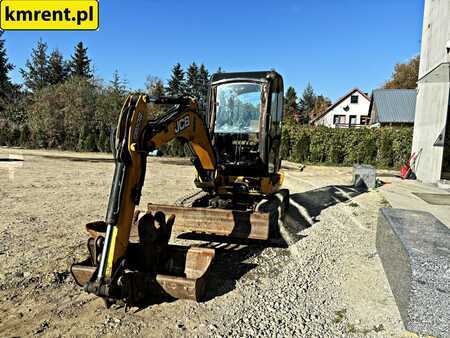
(327, 281)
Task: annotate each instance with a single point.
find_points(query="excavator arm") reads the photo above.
(136, 136)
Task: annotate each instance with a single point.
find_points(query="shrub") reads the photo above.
(385, 147)
(4, 132)
(175, 148)
(103, 142)
(76, 115)
(25, 136)
(10, 134)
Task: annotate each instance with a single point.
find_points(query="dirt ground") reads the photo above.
(327, 282)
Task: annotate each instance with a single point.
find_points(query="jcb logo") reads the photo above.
(182, 124)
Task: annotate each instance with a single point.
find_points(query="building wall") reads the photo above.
(359, 109)
(435, 35)
(432, 98)
(373, 114)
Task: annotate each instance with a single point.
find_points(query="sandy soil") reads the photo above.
(328, 282)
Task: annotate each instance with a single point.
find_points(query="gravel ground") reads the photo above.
(326, 282)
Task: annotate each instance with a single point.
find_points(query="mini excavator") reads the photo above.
(235, 151)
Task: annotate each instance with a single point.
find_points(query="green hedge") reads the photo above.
(384, 147)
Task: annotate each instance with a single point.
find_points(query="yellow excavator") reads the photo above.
(235, 150)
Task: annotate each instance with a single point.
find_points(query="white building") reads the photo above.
(351, 110)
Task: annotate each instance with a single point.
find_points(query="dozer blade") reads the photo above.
(232, 223)
(259, 225)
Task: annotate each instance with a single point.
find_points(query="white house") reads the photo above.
(351, 110)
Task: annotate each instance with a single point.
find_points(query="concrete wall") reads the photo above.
(435, 35)
(359, 109)
(432, 98)
(431, 117)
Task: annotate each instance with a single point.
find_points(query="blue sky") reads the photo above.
(334, 44)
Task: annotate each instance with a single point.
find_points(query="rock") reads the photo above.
(44, 326)
(414, 248)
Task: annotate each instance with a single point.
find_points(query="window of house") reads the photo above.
(365, 120)
(354, 99)
(352, 119)
(339, 119)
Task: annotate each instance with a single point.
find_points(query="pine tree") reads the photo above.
(117, 93)
(58, 69)
(36, 72)
(6, 85)
(192, 82)
(203, 76)
(118, 86)
(176, 84)
(307, 104)
(291, 108)
(11, 97)
(80, 64)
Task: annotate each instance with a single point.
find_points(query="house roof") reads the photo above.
(394, 105)
(338, 102)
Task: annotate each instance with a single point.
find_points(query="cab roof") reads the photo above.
(261, 75)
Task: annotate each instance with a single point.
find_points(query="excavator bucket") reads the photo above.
(163, 270)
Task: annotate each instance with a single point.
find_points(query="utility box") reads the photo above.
(364, 176)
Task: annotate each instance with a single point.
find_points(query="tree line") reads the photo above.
(302, 110)
(63, 104)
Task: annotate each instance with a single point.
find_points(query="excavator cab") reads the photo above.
(244, 119)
